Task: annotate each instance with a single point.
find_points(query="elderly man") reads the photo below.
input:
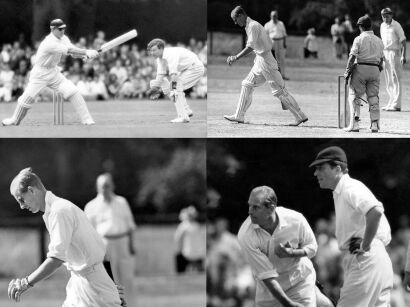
(277, 33)
(111, 216)
(73, 242)
(364, 65)
(265, 69)
(394, 42)
(278, 244)
(362, 233)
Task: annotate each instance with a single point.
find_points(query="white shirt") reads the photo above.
(72, 237)
(110, 218)
(175, 60)
(258, 247)
(311, 43)
(392, 35)
(367, 47)
(258, 39)
(50, 51)
(407, 268)
(275, 30)
(192, 240)
(352, 202)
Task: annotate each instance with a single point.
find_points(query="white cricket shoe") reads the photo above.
(8, 122)
(233, 118)
(354, 128)
(89, 122)
(180, 120)
(189, 112)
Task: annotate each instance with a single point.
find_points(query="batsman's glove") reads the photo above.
(91, 53)
(173, 94)
(231, 59)
(154, 92)
(17, 287)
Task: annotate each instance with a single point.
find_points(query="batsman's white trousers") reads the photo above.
(91, 287)
(122, 264)
(393, 71)
(304, 292)
(368, 278)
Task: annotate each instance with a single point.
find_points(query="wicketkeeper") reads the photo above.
(363, 67)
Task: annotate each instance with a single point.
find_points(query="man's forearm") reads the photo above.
(48, 267)
(277, 291)
(403, 49)
(76, 52)
(244, 52)
(372, 224)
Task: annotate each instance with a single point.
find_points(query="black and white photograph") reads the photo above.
(103, 222)
(103, 68)
(308, 68)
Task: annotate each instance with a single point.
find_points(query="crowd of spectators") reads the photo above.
(120, 73)
(230, 282)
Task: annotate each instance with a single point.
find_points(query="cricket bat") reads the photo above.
(118, 41)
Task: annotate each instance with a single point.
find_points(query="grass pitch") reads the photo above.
(313, 83)
(118, 118)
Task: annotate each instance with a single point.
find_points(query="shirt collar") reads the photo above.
(248, 20)
(49, 198)
(281, 221)
(340, 184)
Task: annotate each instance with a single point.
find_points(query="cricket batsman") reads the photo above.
(73, 242)
(45, 73)
(184, 70)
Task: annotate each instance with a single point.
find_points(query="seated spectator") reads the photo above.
(119, 71)
(113, 86)
(311, 47)
(6, 82)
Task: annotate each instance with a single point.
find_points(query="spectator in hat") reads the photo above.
(311, 47)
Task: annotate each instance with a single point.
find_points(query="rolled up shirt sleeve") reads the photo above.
(61, 227)
(362, 199)
(308, 241)
(252, 37)
(259, 262)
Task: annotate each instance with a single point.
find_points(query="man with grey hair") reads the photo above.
(362, 233)
(265, 69)
(73, 242)
(278, 243)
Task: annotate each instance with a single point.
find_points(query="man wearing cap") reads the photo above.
(278, 243)
(362, 232)
(394, 42)
(265, 69)
(45, 73)
(363, 66)
(277, 33)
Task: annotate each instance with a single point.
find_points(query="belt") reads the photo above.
(368, 64)
(116, 236)
(278, 39)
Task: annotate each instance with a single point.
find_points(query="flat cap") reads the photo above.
(57, 23)
(386, 10)
(364, 21)
(333, 153)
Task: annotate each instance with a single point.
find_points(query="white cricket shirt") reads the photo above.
(258, 39)
(392, 35)
(275, 30)
(50, 51)
(110, 218)
(352, 202)
(175, 60)
(193, 240)
(367, 47)
(72, 237)
(258, 247)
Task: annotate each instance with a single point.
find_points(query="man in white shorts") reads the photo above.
(265, 69)
(184, 70)
(278, 243)
(73, 242)
(45, 73)
(362, 233)
(111, 216)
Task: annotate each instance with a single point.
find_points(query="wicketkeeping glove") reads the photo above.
(154, 92)
(17, 287)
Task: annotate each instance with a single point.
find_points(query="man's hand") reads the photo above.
(231, 59)
(154, 92)
(173, 94)
(17, 287)
(355, 246)
(91, 53)
(122, 295)
(406, 281)
(403, 60)
(284, 251)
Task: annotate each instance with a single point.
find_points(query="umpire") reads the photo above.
(364, 66)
